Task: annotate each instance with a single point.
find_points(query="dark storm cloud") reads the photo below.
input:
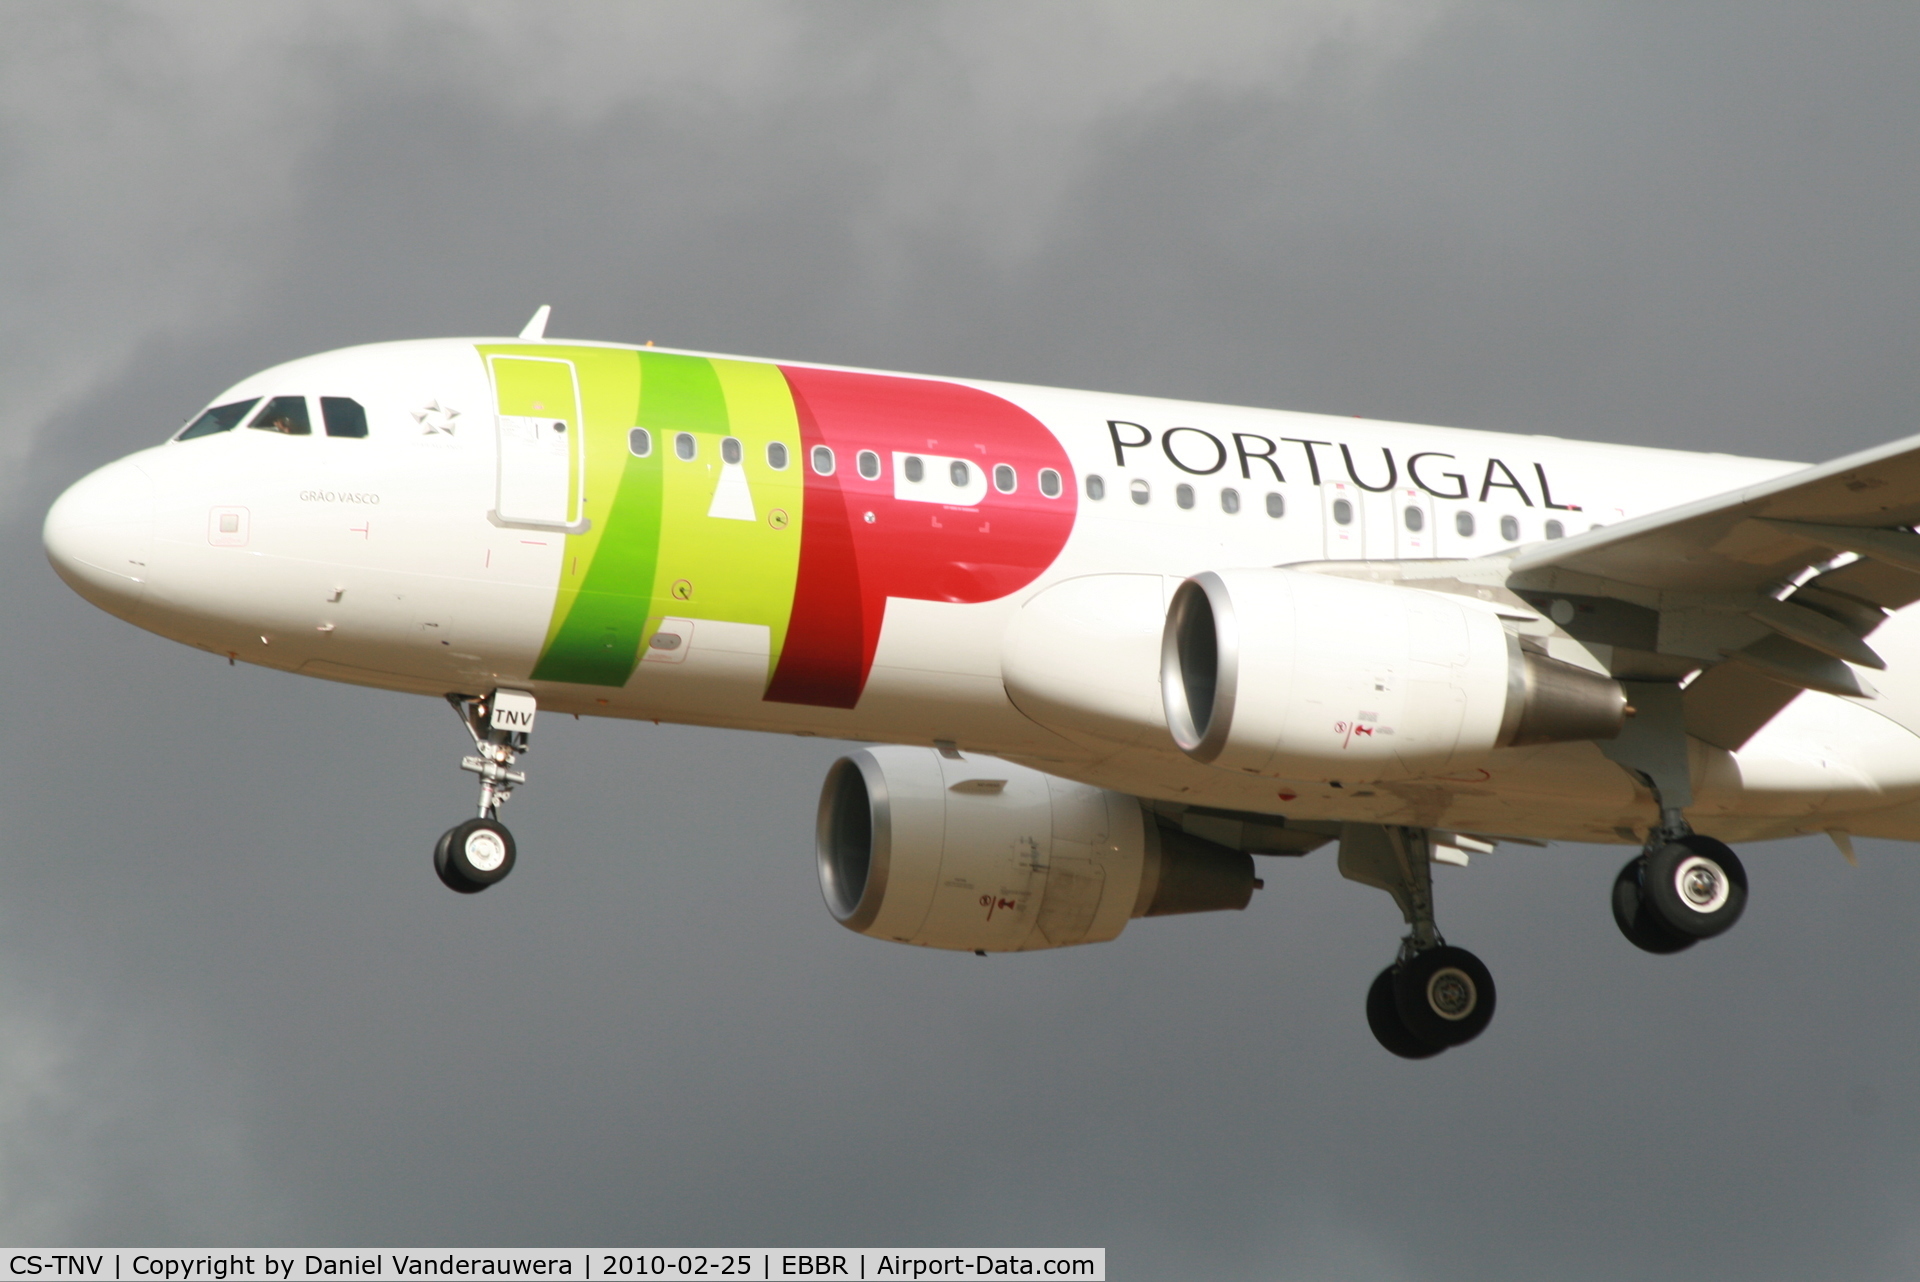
(244, 1010)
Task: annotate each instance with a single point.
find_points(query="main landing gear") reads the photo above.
(473, 855)
(1684, 887)
(1681, 889)
(1433, 996)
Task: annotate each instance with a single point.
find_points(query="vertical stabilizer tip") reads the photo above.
(537, 327)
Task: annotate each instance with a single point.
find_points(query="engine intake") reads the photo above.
(1283, 672)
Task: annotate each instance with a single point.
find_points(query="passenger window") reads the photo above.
(777, 456)
(1003, 478)
(730, 449)
(343, 417)
(685, 446)
(822, 460)
(868, 464)
(1050, 483)
(1510, 528)
(221, 418)
(1183, 495)
(1140, 491)
(1096, 488)
(286, 415)
(1276, 505)
(958, 471)
(1463, 524)
(1416, 520)
(1229, 501)
(639, 442)
(916, 468)
(1555, 530)
(1342, 512)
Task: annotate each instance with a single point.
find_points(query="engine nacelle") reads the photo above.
(979, 854)
(1295, 674)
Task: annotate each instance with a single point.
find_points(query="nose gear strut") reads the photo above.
(473, 855)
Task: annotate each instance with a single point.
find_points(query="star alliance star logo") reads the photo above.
(436, 419)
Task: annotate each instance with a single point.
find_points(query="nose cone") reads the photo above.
(99, 533)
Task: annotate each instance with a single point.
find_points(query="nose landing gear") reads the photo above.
(473, 855)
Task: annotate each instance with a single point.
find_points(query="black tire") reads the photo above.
(1639, 923)
(1695, 886)
(1383, 1017)
(447, 876)
(474, 855)
(1444, 995)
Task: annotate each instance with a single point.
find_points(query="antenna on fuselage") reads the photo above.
(537, 327)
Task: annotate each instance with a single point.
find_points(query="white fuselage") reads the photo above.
(375, 560)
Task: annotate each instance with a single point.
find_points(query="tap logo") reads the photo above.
(874, 488)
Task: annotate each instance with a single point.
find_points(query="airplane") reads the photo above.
(1105, 649)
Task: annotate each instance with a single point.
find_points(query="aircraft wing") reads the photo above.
(1762, 535)
(1786, 578)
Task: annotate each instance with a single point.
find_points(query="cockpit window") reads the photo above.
(221, 418)
(286, 415)
(343, 416)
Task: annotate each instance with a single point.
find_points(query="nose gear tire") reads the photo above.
(1383, 1017)
(1444, 995)
(446, 875)
(474, 855)
(1695, 886)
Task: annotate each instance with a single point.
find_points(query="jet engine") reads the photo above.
(1288, 673)
(982, 855)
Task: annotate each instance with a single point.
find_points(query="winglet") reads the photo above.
(537, 327)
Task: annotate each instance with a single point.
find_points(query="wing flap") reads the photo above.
(1886, 586)
(1788, 661)
(1817, 630)
(1729, 704)
(1817, 556)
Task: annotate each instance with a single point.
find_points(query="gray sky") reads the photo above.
(235, 1006)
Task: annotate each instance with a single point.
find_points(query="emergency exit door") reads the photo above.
(542, 443)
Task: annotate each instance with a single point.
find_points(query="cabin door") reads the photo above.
(542, 463)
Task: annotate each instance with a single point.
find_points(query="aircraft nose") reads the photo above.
(99, 535)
